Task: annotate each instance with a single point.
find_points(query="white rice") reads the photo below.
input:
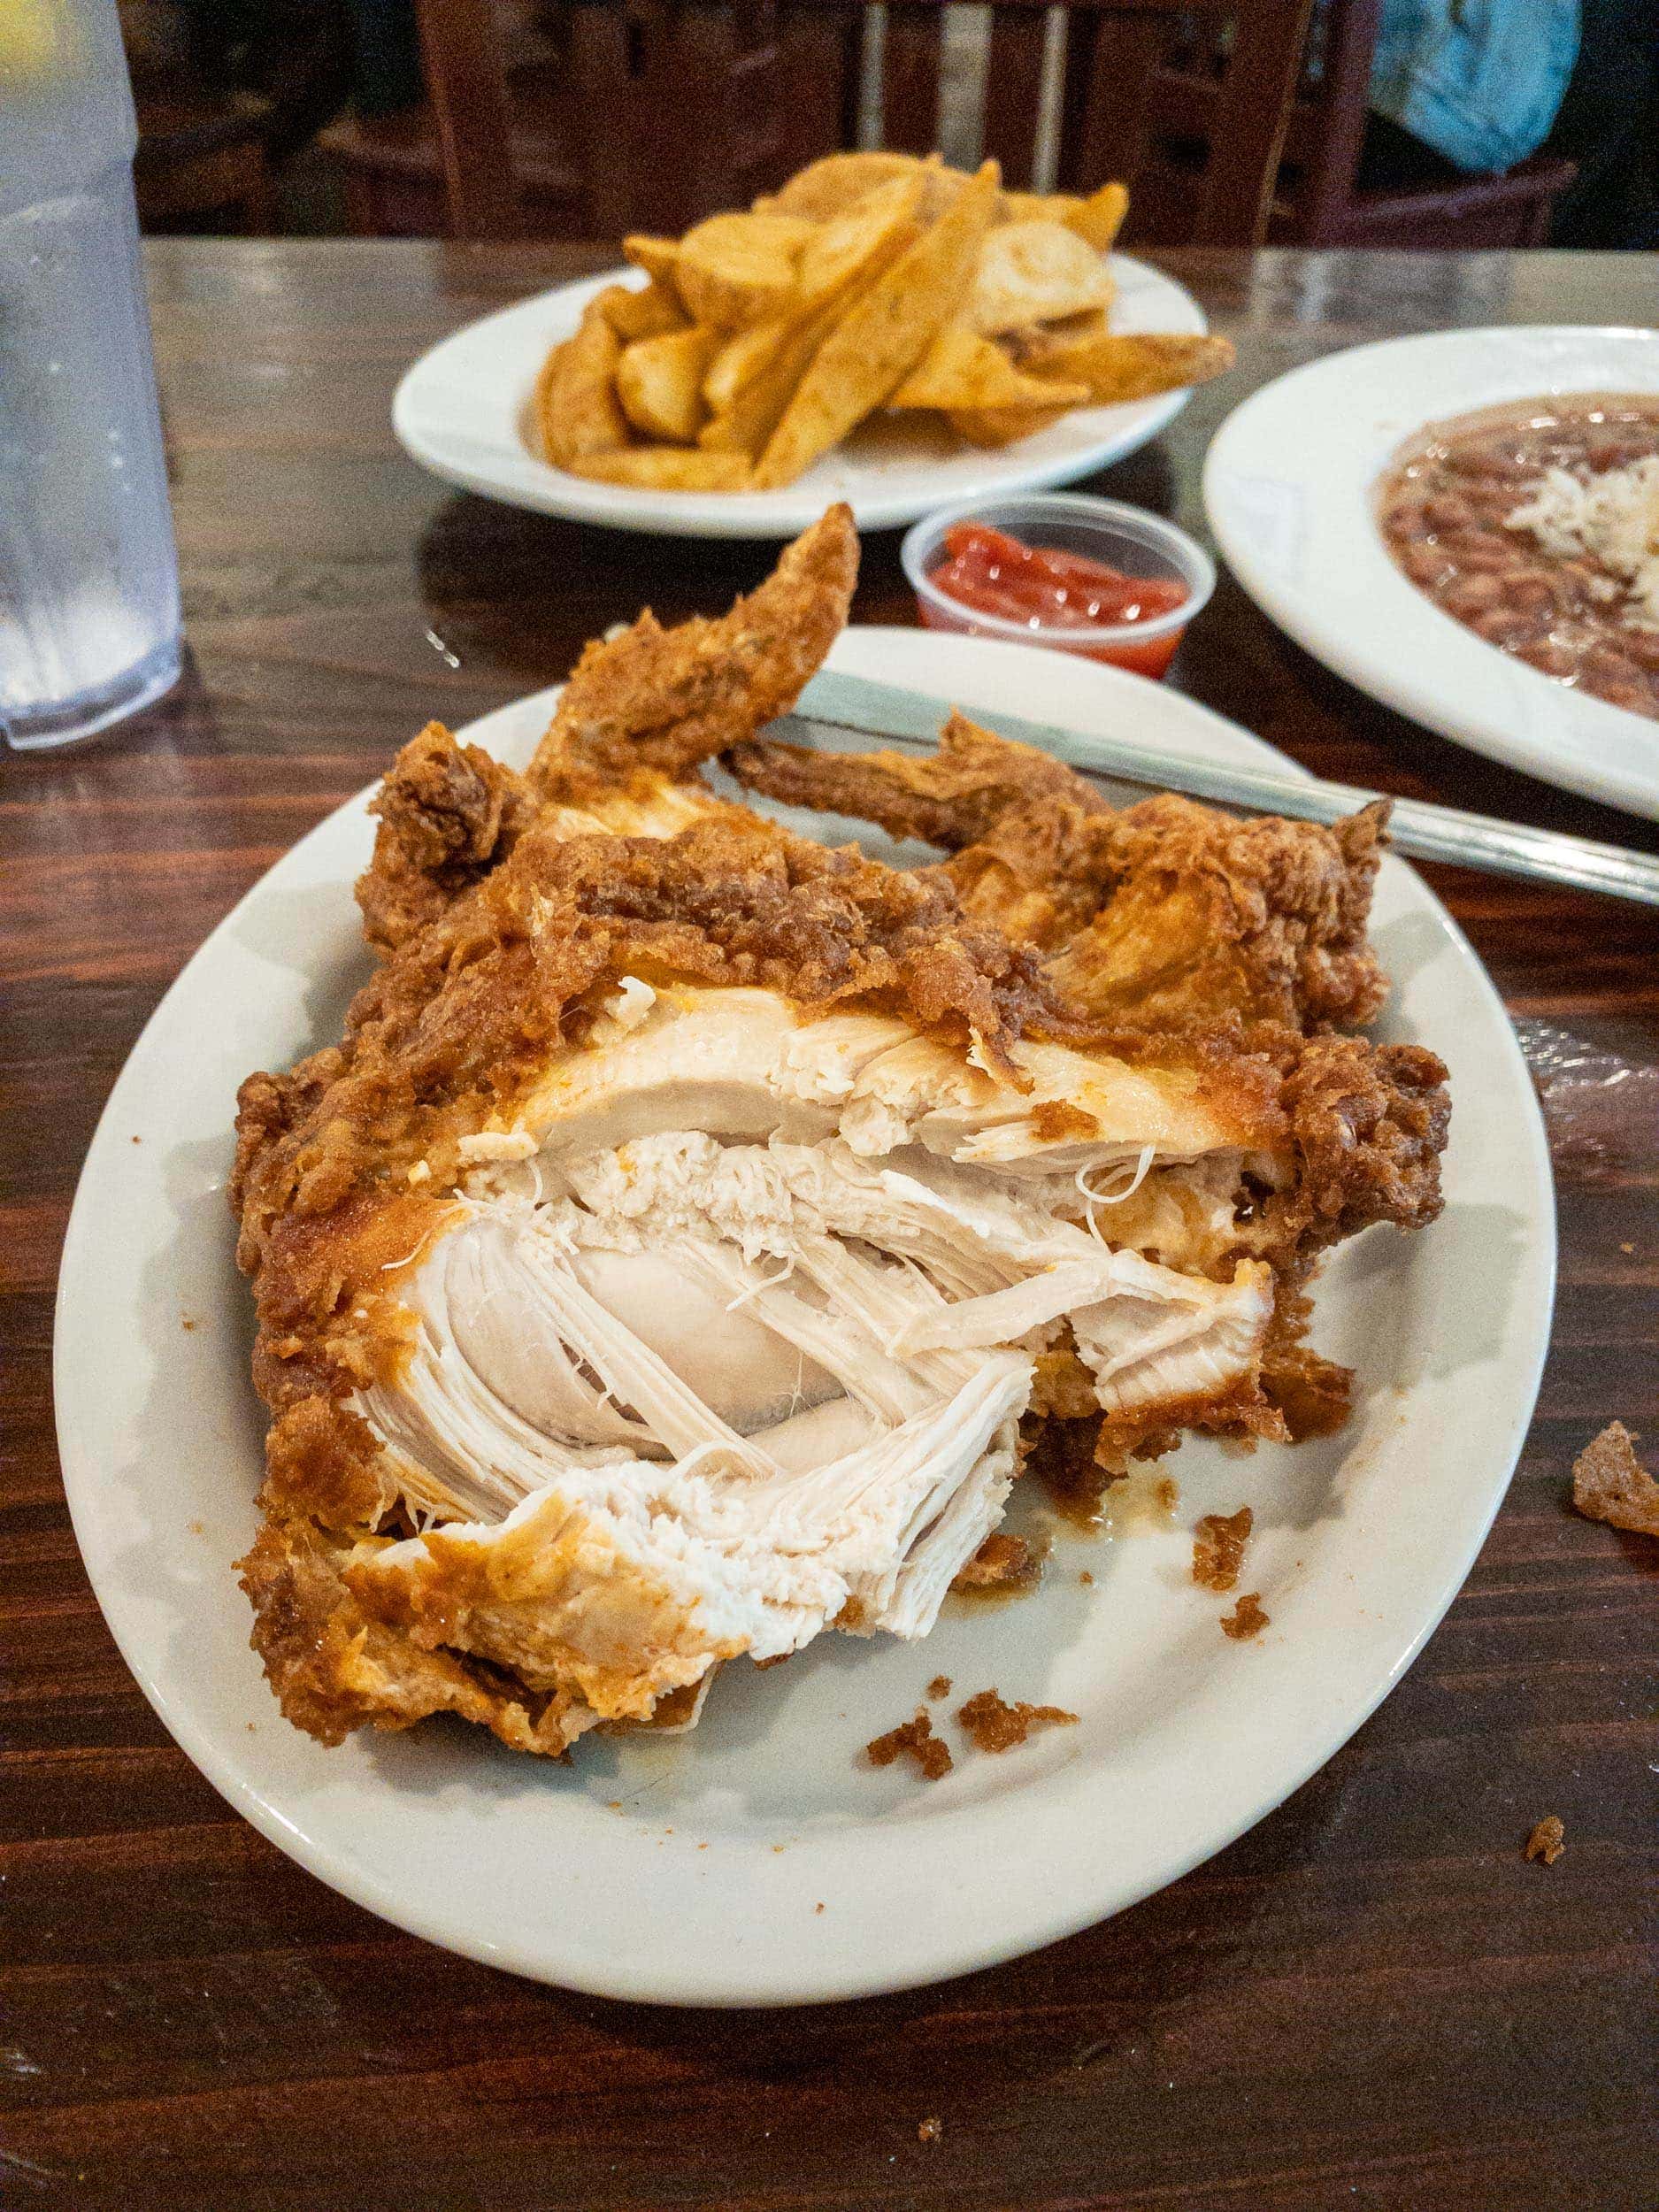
(1614, 518)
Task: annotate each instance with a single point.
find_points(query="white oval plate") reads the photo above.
(758, 1860)
(1290, 485)
(463, 411)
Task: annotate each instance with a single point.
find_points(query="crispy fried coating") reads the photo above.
(993, 1724)
(1218, 1542)
(1309, 1392)
(1041, 873)
(448, 814)
(949, 798)
(912, 1740)
(1369, 1124)
(1246, 1618)
(1264, 919)
(336, 1668)
(1166, 914)
(1611, 1483)
(669, 700)
(1547, 1841)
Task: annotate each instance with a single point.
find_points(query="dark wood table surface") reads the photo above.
(1368, 2001)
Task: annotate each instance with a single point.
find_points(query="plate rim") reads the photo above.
(1081, 1905)
(737, 515)
(1367, 662)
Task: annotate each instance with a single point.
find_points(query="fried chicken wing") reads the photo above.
(949, 798)
(668, 700)
(640, 713)
(448, 814)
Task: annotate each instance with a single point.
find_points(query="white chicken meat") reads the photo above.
(753, 1301)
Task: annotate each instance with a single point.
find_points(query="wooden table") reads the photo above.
(1369, 2001)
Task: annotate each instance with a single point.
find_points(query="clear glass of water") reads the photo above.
(89, 578)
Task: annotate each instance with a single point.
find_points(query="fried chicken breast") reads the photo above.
(696, 1228)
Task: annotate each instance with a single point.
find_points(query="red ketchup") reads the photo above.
(1046, 590)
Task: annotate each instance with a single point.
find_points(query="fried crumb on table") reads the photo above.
(912, 1740)
(1218, 1542)
(1611, 1483)
(939, 1686)
(1247, 1617)
(930, 2130)
(1545, 1841)
(995, 1725)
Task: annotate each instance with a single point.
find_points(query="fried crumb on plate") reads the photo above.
(1611, 1483)
(939, 1686)
(1247, 1617)
(995, 1725)
(930, 2130)
(1001, 1563)
(912, 1740)
(1218, 1542)
(1545, 1841)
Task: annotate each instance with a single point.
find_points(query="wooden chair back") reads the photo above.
(1319, 202)
(685, 106)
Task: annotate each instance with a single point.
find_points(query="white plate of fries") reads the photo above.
(884, 331)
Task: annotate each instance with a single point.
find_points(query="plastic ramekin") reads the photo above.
(1128, 538)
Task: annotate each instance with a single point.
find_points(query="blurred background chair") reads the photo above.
(491, 119)
(1351, 178)
(593, 117)
(226, 92)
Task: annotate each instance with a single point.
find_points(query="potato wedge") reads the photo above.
(882, 335)
(656, 256)
(1099, 219)
(576, 398)
(1132, 365)
(1033, 339)
(828, 188)
(734, 271)
(846, 254)
(855, 246)
(659, 382)
(1031, 272)
(747, 420)
(542, 401)
(669, 468)
(1048, 207)
(943, 186)
(743, 356)
(1001, 425)
(650, 313)
(962, 369)
(1093, 322)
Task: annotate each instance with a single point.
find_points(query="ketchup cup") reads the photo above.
(1125, 538)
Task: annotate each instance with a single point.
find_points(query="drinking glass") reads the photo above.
(88, 577)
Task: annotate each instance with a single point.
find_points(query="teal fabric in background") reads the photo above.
(1480, 81)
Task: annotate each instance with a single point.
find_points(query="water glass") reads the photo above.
(89, 629)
